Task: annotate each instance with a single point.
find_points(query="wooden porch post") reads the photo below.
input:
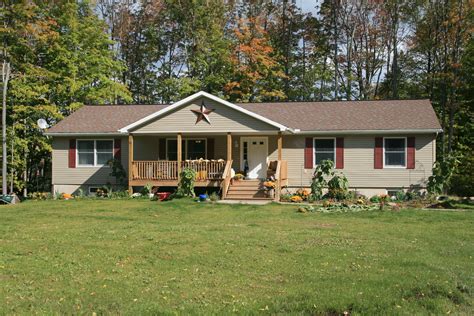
(130, 163)
(229, 146)
(280, 145)
(180, 151)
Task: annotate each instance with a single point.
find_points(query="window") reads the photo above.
(172, 149)
(245, 150)
(191, 149)
(93, 190)
(94, 152)
(324, 149)
(394, 152)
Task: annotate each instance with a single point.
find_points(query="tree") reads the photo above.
(60, 59)
(257, 73)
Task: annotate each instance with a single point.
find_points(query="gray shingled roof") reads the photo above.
(306, 116)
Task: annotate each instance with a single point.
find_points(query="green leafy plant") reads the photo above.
(118, 171)
(400, 195)
(58, 195)
(147, 189)
(81, 193)
(319, 182)
(443, 172)
(375, 199)
(186, 183)
(338, 185)
(214, 197)
(286, 197)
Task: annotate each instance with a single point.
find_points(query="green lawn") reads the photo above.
(142, 257)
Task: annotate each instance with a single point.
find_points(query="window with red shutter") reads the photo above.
(308, 153)
(72, 153)
(340, 153)
(117, 149)
(411, 152)
(378, 153)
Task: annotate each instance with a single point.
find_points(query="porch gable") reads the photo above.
(181, 117)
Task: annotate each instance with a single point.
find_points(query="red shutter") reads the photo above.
(72, 153)
(340, 153)
(410, 152)
(378, 153)
(308, 153)
(117, 149)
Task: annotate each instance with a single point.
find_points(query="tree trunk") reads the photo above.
(395, 55)
(5, 78)
(336, 38)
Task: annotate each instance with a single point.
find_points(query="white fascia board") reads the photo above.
(370, 132)
(192, 98)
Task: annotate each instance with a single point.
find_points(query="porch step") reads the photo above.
(239, 183)
(247, 190)
(248, 198)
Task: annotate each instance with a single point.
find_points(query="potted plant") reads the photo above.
(269, 186)
(239, 176)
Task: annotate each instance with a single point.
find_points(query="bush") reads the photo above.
(338, 187)
(286, 197)
(214, 197)
(147, 189)
(40, 196)
(400, 195)
(375, 199)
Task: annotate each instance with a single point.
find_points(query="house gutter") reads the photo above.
(369, 132)
(84, 134)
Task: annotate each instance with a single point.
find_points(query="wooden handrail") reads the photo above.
(227, 177)
(281, 177)
(278, 181)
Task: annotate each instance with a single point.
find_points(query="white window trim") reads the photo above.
(406, 154)
(95, 165)
(185, 149)
(327, 152)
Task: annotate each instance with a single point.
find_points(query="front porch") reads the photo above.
(213, 161)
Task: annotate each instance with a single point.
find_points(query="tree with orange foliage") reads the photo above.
(257, 72)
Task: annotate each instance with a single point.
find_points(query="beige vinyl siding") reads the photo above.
(145, 148)
(223, 119)
(359, 163)
(62, 174)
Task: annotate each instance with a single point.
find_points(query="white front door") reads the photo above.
(255, 152)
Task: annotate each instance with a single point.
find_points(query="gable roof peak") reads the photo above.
(193, 97)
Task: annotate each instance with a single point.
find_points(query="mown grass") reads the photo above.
(142, 257)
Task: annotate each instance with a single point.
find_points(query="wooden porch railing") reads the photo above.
(281, 178)
(227, 178)
(206, 170)
(168, 170)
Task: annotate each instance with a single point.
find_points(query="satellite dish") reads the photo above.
(42, 124)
